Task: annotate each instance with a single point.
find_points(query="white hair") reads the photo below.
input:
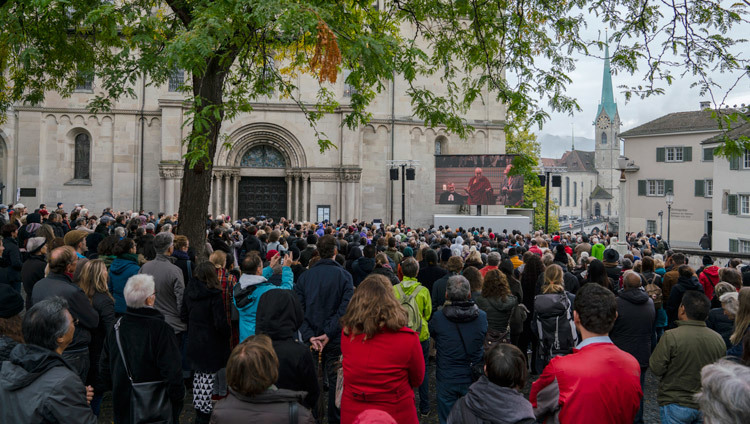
(730, 302)
(725, 393)
(138, 288)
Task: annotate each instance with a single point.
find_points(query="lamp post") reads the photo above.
(622, 164)
(533, 217)
(669, 200)
(661, 222)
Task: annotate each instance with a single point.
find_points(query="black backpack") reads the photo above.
(554, 325)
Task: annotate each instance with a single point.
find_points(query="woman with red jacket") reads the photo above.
(377, 376)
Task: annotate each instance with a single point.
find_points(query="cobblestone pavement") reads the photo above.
(650, 416)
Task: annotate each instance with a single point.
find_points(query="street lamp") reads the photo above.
(669, 200)
(622, 165)
(533, 217)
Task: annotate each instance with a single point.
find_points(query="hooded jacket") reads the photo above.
(635, 324)
(208, 331)
(12, 261)
(122, 268)
(361, 268)
(279, 316)
(498, 311)
(675, 296)
(454, 356)
(709, 278)
(247, 293)
(31, 272)
(37, 386)
(488, 403)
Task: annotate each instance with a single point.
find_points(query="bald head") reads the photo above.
(631, 280)
(60, 258)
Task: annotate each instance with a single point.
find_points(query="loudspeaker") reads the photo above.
(556, 181)
(542, 179)
(410, 173)
(394, 173)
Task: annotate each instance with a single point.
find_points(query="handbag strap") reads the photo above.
(293, 413)
(466, 352)
(119, 346)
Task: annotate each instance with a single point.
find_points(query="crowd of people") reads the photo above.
(338, 322)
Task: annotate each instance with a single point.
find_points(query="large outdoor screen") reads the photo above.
(477, 180)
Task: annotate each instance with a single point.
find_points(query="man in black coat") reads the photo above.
(63, 262)
(33, 269)
(686, 280)
(634, 325)
(150, 349)
(279, 316)
(324, 292)
(363, 266)
(11, 259)
(432, 271)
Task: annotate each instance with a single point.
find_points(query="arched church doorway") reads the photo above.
(259, 195)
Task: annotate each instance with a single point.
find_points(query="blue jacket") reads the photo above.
(119, 271)
(247, 293)
(324, 292)
(453, 366)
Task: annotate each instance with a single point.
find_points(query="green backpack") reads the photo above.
(409, 304)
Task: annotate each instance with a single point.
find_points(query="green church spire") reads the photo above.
(608, 98)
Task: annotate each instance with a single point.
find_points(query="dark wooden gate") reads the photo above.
(262, 196)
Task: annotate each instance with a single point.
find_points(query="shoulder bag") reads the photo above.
(477, 369)
(149, 402)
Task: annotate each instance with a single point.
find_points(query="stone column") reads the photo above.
(170, 174)
(288, 180)
(169, 196)
(227, 210)
(305, 186)
(296, 214)
(235, 193)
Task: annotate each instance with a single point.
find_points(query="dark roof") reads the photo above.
(574, 160)
(600, 193)
(699, 120)
(742, 130)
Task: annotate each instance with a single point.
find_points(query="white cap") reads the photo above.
(19, 206)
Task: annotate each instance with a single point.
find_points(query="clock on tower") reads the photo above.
(602, 122)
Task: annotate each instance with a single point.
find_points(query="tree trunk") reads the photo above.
(196, 182)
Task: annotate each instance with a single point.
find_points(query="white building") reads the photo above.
(669, 157)
(731, 202)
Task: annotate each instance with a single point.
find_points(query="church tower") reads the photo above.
(607, 130)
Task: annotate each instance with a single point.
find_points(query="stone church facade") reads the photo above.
(131, 157)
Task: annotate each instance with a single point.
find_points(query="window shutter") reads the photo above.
(732, 204)
(700, 188)
(708, 154)
(734, 245)
(641, 187)
(734, 163)
(668, 186)
(687, 154)
(660, 154)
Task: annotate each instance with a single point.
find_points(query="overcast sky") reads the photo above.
(586, 87)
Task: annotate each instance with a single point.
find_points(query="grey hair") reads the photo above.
(725, 394)
(493, 259)
(548, 258)
(458, 288)
(166, 228)
(46, 322)
(730, 302)
(138, 288)
(120, 232)
(631, 279)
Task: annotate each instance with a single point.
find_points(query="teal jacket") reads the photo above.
(247, 293)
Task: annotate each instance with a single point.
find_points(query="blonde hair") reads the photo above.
(93, 278)
(742, 319)
(373, 306)
(553, 279)
(218, 258)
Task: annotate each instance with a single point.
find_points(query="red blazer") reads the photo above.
(597, 384)
(379, 373)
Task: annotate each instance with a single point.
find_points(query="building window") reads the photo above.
(176, 79)
(744, 246)
(746, 159)
(263, 156)
(709, 188)
(655, 188)
(567, 191)
(82, 157)
(575, 193)
(674, 154)
(84, 81)
(708, 154)
(349, 89)
(440, 145)
(604, 138)
(324, 213)
(744, 200)
(651, 226)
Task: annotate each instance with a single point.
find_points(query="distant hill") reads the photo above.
(553, 146)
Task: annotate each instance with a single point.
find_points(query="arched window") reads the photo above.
(575, 193)
(597, 209)
(82, 157)
(604, 138)
(609, 209)
(263, 156)
(440, 145)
